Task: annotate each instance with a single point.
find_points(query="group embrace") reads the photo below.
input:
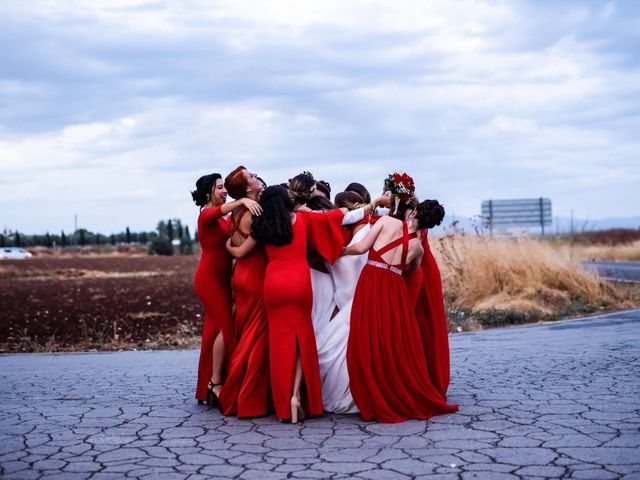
(313, 305)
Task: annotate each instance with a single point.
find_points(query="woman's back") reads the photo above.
(392, 231)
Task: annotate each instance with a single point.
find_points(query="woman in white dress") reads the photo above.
(332, 333)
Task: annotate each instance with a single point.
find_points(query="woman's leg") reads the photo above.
(218, 361)
(296, 407)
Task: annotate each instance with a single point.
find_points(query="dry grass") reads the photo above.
(629, 252)
(520, 280)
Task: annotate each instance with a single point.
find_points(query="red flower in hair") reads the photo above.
(401, 185)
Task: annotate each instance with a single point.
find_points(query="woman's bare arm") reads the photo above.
(251, 205)
(243, 249)
(367, 242)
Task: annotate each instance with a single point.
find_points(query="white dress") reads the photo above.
(323, 286)
(332, 338)
(323, 302)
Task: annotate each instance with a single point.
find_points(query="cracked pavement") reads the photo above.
(544, 401)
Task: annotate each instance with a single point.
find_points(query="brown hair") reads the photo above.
(348, 200)
(236, 183)
(360, 190)
(301, 187)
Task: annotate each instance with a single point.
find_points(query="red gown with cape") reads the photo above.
(288, 299)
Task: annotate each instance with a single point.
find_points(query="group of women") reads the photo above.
(328, 306)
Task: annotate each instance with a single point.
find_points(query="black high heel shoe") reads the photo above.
(212, 398)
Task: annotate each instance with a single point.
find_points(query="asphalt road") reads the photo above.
(556, 400)
(629, 272)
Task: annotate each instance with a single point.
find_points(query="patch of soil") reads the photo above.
(110, 302)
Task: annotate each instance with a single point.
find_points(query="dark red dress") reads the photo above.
(288, 298)
(432, 321)
(385, 358)
(246, 389)
(212, 283)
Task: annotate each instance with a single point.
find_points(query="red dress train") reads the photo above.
(432, 321)
(246, 389)
(212, 282)
(288, 298)
(385, 358)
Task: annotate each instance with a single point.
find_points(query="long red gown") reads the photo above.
(212, 283)
(289, 298)
(432, 321)
(385, 358)
(246, 389)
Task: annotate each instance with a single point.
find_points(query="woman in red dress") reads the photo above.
(430, 311)
(385, 356)
(212, 282)
(246, 389)
(425, 291)
(295, 375)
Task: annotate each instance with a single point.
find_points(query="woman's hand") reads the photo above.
(251, 205)
(230, 248)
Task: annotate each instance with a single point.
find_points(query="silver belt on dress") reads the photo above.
(385, 266)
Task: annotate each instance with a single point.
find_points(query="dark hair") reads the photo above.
(348, 200)
(264, 184)
(360, 190)
(236, 183)
(320, 203)
(429, 214)
(301, 187)
(403, 206)
(204, 185)
(324, 187)
(274, 225)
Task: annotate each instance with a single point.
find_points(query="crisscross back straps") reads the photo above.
(404, 241)
(389, 246)
(235, 223)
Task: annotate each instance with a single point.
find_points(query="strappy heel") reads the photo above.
(212, 398)
(297, 413)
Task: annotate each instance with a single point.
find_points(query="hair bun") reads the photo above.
(430, 213)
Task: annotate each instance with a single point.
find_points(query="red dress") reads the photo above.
(212, 283)
(413, 282)
(385, 358)
(246, 389)
(288, 298)
(432, 321)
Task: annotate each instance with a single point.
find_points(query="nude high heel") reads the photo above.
(297, 413)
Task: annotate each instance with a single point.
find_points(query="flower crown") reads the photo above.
(401, 184)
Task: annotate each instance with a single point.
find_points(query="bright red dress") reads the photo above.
(246, 389)
(385, 358)
(212, 283)
(289, 298)
(414, 282)
(432, 321)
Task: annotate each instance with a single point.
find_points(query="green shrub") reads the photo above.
(161, 246)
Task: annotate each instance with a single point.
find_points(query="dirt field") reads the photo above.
(105, 302)
(82, 301)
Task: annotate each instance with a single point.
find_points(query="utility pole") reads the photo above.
(571, 224)
(75, 222)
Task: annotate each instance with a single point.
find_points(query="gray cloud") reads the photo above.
(117, 107)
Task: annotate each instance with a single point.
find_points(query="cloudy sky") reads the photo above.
(111, 109)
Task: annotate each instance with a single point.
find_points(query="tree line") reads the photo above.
(170, 235)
